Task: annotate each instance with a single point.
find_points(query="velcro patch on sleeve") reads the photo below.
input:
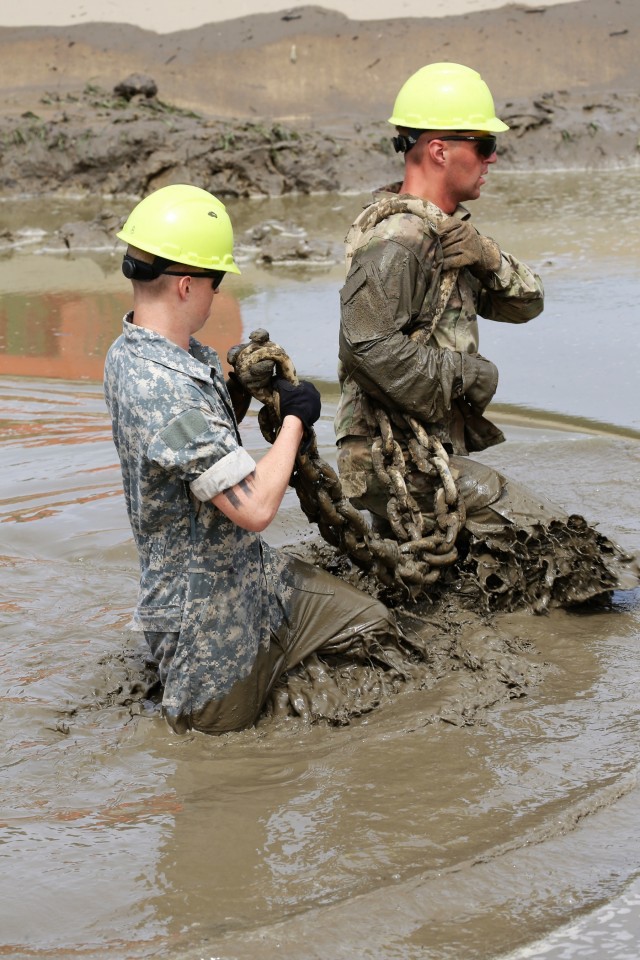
(356, 279)
(184, 429)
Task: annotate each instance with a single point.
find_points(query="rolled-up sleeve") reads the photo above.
(229, 471)
(202, 450)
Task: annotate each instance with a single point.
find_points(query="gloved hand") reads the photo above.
(480, 379)
(240, 396)
(258, 375)
(302, 401)
(463, 246)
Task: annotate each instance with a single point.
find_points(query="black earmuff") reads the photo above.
(405, 141)
(134, 269)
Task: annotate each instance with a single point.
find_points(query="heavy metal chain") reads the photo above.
(424, 545)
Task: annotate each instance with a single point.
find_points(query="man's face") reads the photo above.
(198, 289)
(466, 167)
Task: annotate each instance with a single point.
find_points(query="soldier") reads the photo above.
(418, 274)
(223, 613)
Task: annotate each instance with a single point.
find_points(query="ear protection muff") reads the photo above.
(135, 269)
(403, 142)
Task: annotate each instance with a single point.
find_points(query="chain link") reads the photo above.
(423, 545)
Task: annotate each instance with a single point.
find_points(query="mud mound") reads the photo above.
(462, 662)
(455, 635)
(274, 104)
(94, 141)
(560, 564)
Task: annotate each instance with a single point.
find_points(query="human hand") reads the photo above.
(463, 246)
(301, 401)
(483, 377)
(240, 396)
(253, 376)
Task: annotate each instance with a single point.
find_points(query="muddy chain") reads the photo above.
(424, 545)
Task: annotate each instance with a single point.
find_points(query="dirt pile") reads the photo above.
(280, 103)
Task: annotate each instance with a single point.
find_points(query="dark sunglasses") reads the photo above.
(214, 275)
(485, 146)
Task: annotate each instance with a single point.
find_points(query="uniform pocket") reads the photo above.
(366, 313)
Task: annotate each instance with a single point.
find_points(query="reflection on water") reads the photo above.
(393, 837)
(58, 313)
(58, 335)
(65, 335)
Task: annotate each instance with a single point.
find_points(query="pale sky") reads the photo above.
(166, 18)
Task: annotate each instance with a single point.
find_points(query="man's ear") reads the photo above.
(437, 151)
(183, 287)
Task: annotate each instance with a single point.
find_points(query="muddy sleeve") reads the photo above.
(384, 289)
(514, 294)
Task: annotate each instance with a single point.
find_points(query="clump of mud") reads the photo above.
(456, 629)
(457, 647)
(561, 563)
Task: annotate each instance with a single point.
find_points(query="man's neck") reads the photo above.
(159, 322)
(417, 186)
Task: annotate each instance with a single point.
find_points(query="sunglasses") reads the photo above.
(214, 275)
(485, 146)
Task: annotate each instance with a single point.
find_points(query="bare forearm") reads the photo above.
(253, 503)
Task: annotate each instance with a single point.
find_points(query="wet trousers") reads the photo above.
(518, 548)
(319, 613)
(492, 501)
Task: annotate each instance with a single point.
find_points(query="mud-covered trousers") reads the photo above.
(492, 500)
(524, 549)
(321, 613)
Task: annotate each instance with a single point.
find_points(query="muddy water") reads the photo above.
(512, 835)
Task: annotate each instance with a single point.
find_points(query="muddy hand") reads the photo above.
(239, 394)
(255, 376)
(482, 377)
(463, 246)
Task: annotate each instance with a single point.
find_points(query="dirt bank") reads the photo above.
(277, 103)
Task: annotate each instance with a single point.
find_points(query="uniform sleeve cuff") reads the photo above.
(226, 473)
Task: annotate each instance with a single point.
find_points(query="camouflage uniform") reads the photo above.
(224, 614)
(408, 342)
(389, 308)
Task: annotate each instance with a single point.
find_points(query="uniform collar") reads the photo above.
(393, 190)
(196, 362)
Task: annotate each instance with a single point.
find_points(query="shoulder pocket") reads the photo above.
(365, 310)
(183, 429)
(356, 279)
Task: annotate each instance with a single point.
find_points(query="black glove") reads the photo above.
(302, 401)
(240, 396)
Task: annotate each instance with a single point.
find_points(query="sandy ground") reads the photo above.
(276, 102)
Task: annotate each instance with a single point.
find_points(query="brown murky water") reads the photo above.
(394, 837)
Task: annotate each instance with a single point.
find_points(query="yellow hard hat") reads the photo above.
(183, 224)
(446, 96)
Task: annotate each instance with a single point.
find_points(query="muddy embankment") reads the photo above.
(297, 101)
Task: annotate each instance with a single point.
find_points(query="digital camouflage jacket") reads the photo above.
(212, 583)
